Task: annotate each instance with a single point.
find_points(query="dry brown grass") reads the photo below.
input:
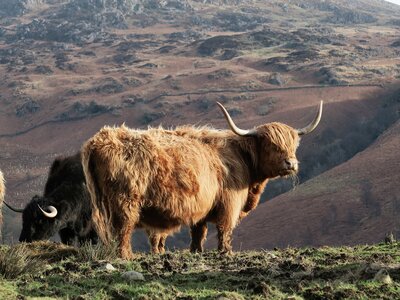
(17, 260)
(89, 252)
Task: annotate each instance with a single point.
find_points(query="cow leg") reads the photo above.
(67, 236)
(228, 218)
(94, 238)
(224, 239)
(154, 239)
(90, 238)
(125, 234)
(124, 225)
(199, 235)
(161, 243)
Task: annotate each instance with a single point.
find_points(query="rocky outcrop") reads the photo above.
(219, 45)
(233, 21)
(13, 8)
(53, 30)
(329, 76)
(82, 110)
(28, 107)
(347, 16)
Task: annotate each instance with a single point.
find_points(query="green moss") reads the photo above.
(8, 290)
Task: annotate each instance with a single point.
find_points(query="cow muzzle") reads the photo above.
(291, 165)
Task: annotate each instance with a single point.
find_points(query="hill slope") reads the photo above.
(356, 202)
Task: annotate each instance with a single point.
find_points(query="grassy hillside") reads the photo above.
(52, 271)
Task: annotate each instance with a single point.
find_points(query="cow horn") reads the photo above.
(18, 210)
(232, 125)
(53, 211)
(310, 127)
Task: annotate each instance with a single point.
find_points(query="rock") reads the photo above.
(109, 86)
(41, 69)
(82, 110)
(29, 107)
(188, 36)
(235, 21)
(389, 238)
(396, 43)
(131, 81)
(149, 66)
(221, 73)
(125, 59)
(330, 76)
(149, 117)
(229, 54)
(340, 14)
(132, 276)
(276, 79)
(18, 7)
(212, 45)
(383, 277)
(68, 31)
(218, 45)
(109, 267)
(347, 16)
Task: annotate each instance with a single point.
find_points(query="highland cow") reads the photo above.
(162, 178)
(64, 208)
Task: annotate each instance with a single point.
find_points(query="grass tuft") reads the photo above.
(17, 260)
(89, 252)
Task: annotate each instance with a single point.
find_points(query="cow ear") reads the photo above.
(55, 165)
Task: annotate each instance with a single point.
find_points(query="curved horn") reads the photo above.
(232, 125)
(310, 127)
(18, 210)
(53, 211)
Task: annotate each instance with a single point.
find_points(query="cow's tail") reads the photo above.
(100, 207)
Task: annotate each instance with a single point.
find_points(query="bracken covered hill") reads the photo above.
(69, 67)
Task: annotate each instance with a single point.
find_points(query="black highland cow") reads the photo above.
(64, 208)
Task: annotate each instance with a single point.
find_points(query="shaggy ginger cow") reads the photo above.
(187, 176)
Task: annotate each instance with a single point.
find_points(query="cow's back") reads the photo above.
(64, 170)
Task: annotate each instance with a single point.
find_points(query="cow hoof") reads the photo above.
(227, 252)
(196, 249)
(128, 256)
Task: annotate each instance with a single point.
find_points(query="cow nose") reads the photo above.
(291, 164)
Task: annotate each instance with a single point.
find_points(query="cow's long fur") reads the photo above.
(65, 190)
(167, 178)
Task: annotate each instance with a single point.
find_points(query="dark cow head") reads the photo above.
(39, 220)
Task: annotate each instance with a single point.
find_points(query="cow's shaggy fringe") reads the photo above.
(17, 260)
